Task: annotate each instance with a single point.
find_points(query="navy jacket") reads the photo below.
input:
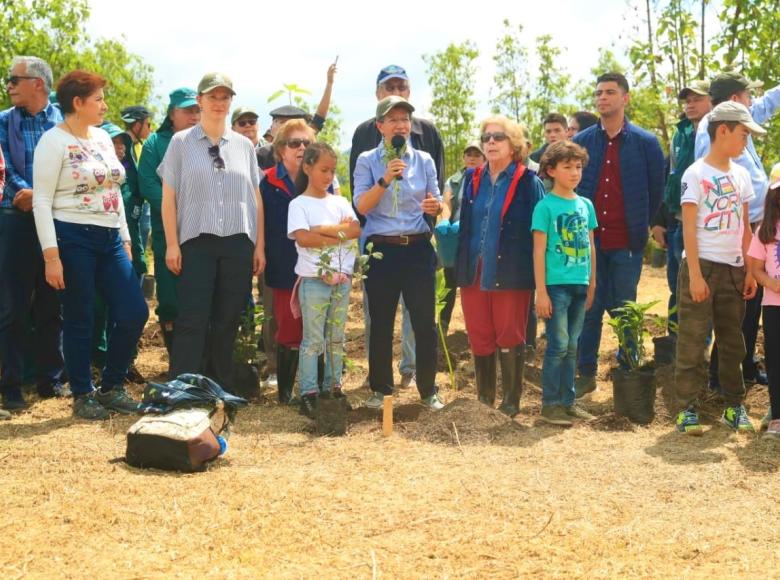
(641, 175)
(515, 260)
(278, 190)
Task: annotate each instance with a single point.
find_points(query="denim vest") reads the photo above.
(514, 262)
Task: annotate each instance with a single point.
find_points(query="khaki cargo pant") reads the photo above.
(722, 311)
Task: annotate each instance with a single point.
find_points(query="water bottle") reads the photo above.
(222, 444)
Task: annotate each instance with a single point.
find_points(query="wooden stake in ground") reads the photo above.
(387, 416)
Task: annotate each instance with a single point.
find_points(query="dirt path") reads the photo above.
(462, 493)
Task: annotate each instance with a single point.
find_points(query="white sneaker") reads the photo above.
(271, 381)
(434, 402)
(375, 401)
(773, 429)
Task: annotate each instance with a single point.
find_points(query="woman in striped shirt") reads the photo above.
(213, 220)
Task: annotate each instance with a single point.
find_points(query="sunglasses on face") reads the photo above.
(16, 79)
(219, 163)
(245, 122)
(296, 143)
(498, 136)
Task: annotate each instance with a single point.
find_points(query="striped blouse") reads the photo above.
(212, 197)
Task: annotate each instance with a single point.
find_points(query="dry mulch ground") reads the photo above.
(461, 493)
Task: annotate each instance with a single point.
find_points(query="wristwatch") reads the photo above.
(382, 182)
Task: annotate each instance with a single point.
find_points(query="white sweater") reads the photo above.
(77, 186)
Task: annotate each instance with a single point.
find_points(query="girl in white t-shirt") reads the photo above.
(764, 263)
(323, 227)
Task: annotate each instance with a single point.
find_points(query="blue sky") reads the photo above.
(262, 45)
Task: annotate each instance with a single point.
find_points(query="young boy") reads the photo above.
(565, 273)
(713, 284)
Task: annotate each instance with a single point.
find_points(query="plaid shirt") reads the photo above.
(33, 126)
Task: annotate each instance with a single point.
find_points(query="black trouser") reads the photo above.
(771, 348)
(449, 300)
(215, 279)
(750, 333)
(23, 287)
(409, 271)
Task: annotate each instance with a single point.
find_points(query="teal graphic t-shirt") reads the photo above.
(567, 223)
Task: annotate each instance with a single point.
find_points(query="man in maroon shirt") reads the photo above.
(624, 179)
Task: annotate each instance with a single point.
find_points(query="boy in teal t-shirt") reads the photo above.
(565, 272)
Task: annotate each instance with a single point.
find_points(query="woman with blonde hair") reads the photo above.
(213, 221)
(278, 189)
(494, 264)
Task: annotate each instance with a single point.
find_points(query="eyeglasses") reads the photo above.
(219, 163)
(245, 122)
(498, 136)
(296, 143)
(15, 79)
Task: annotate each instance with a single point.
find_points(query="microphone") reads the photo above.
(398, 142)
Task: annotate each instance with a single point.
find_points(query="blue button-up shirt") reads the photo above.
(761, 110)
(33, 126)
(419, 179)
(486, 217)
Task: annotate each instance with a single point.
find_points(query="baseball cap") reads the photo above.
(384, 106)
(473, 145)
(774, 176)
(289, 111)
(697, 87)
(733, 111)
(392, 71)
(182, 98)
(730, 83)
(240, 112)
(134, 113)
(111, 129)
(214, 80)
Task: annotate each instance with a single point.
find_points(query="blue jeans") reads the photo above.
(145, 225)
(617, 277)
(324, 309)
(408, 365)
(23, 289)
(94, 260)
(674, 244)
(563, 332)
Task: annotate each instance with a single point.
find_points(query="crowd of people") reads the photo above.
(557, 233)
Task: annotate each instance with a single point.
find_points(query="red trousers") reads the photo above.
(289, 330)
(495, 318)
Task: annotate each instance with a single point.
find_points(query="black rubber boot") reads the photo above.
(320, 371)
(167, 335)
(286, 370)
(485, 371)
(512, 377)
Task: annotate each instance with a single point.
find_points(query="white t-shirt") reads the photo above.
(720, 197)
(306, 212)
(77, 181)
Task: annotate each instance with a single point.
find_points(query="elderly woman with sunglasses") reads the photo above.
(494, 264)
(213, 221)
(278, 190)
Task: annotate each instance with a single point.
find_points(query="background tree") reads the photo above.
(54, 30)
(549, 90)
(451, 78)
(749, 42)
(511, 79)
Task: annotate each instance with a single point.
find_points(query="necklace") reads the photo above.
(88, 151)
